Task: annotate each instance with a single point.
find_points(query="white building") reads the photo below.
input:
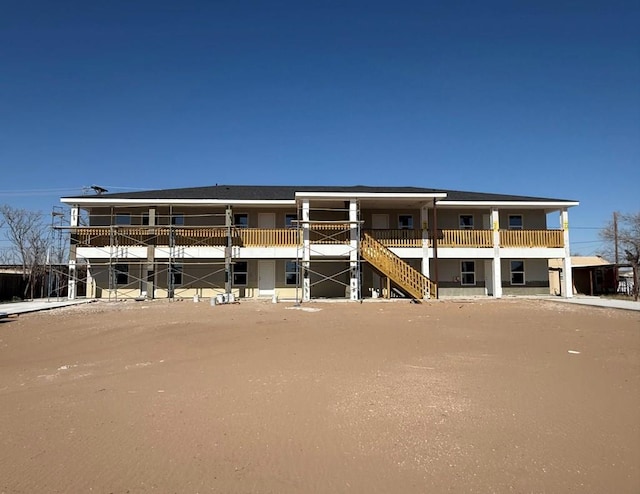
(310, 242)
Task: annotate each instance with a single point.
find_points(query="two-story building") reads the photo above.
(304, 242)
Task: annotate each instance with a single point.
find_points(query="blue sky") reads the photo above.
(533, 98)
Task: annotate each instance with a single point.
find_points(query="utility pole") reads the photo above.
(615, 245)
(615, 235)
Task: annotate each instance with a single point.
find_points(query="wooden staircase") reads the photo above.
(402, 274)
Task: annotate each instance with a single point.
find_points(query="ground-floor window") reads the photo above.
(291, 273)
(468, 272)
(240, 270)
(176, 273)
(122, 274)
(517, 272)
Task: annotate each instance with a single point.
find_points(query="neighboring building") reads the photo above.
(592, 275)
(313, 242)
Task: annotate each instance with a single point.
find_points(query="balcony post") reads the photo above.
(228, 275)
(151, 252)
(496, 268)
(424, 224)
(354, 282)
(306, 252)
(567, 288)
(73, 276)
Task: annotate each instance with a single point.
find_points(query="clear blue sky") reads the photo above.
(534, 98)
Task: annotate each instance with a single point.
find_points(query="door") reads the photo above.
(266, 278)
(266, 220)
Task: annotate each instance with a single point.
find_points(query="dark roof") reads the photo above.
(287, 192)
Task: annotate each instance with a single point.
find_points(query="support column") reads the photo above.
(151, 253)
(73, 275)
(424, 224)
(354, 278)
(306, 252)
(228, 222)
(496, 263)
(567, 287)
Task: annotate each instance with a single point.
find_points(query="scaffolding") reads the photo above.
(158, 233)
(143, 252)
(313, 235)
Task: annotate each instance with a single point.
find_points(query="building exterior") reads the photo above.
(592, 275)
(314, 242)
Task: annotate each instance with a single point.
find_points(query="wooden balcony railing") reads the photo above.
(325, 233)
(465, 238)
(531, 238)
(267, 237)
(397, 238)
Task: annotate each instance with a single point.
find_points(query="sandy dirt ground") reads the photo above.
(454, 396)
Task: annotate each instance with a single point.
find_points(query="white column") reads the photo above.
(567, 288)
(306, 252)
(424, 224)
(91, 283)
(496, 266)
(73, 275)
(354, 280)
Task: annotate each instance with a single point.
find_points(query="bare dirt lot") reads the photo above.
(455, 396)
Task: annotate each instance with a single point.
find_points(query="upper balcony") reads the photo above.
(325, 234)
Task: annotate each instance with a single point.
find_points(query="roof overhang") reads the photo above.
(370, 195)
(94, 201)
(509, 204)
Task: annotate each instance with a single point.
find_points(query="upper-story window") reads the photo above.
(466, 222)
(515, 222)
(241, 220)
(144, 219)
(290, 220)
(177, 219)
(405, 222)
(123, 219)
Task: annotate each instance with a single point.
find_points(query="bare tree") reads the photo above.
(623, 235)
(30, 242)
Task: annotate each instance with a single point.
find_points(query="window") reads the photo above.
(515, 222)
(240, 273)
(241, 220)
(466, 222)
(517, 272)
(144, 219)
(123, 219)
(468, 272)
(177, 219)
(289, 220)
(176, 273)
(405, 222)
(291, 273)
(121, 272)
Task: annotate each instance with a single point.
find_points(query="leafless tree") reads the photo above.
(30, 242)
(623, 236)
